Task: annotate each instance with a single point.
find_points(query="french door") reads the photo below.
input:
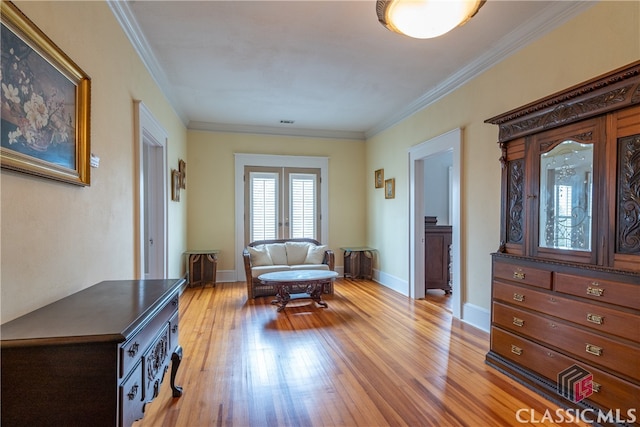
(281, 203)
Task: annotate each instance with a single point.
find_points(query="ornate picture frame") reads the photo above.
(45, 104)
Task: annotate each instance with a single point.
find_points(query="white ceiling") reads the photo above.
(328, 66)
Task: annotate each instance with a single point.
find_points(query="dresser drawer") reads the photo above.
(522, 274)
(155, 363)
(597, 317)
(616, 355)
(173, 331)
(609, 391)
(131, 351)
(623, 294)
(130, 395)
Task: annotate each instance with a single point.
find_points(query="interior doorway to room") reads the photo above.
(152, 246)
(438, 236)
(434, 150)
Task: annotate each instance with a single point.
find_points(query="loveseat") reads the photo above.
(266, 256)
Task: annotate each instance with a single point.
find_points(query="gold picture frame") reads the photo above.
(175, 185)
(182, 168)
(390, 188)
(45, 102)
(379, 178)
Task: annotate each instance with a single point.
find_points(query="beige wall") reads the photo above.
(210, 183)
(59, 238)
(603, 38)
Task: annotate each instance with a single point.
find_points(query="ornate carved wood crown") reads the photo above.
(612, 91)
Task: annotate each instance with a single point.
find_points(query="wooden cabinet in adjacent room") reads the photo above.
(566, 278)
(437, 257)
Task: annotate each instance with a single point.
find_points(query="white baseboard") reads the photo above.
(476, 316)
(391, 282)
(227, 276)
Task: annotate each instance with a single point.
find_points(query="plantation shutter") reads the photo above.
(303, 205)
(264, 202)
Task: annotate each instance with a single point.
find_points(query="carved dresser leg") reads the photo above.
(176, 358)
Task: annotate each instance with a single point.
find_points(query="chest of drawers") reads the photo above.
(549, 316)
(93, 358)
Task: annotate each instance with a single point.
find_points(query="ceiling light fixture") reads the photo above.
(425, 19)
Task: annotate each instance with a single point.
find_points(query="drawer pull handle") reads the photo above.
(595, 387)
(518, 297)
(516, 350)
(132, 393)
(174, 302)
(518, 322)
(174, 329)
(133, 350)
(518, 275)
(594, 349)
(596, 292)
(594, 318)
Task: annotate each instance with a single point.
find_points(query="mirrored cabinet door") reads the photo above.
(565, 191)
(566, 196)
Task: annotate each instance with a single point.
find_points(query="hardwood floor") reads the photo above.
(372, 358)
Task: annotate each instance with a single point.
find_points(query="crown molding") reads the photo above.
(548, 19)
(272, 130)
(129, 25)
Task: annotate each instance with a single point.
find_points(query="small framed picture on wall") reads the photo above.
(390, 188)
(379, 178)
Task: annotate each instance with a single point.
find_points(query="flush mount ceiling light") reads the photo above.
(424, 19)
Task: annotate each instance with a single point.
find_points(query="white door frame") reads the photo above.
(242, 160)
(450, 141)
(151, 141)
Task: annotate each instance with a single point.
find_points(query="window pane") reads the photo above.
(303, 205)
(264, 202)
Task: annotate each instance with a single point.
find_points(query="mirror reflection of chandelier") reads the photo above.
(565, 171)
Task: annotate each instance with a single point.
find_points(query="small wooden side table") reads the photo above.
(202, 267)
(358, 262)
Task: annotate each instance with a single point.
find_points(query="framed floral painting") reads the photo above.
(45, 107)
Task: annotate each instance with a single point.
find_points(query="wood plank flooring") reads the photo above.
(372, 358)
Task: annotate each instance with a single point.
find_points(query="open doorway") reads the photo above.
(152, 202)
(448, 144)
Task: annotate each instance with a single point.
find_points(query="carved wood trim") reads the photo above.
(612, 91)
(628, 223)
(515, 219)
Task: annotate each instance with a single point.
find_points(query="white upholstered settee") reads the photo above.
(265, 256)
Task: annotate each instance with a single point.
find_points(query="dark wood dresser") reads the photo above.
(566, 278)
(437, 256)
(93, 358)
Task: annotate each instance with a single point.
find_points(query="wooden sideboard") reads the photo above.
(93, 358)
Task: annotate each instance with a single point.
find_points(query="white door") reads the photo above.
(152, 189)
(153, 211)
